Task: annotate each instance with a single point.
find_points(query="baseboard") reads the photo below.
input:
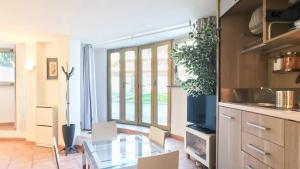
(7, 124)
(128, 131)
(176, 137)
(13, 139)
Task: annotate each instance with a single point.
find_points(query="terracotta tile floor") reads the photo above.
(24, 155)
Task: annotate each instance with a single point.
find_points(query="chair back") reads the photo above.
(55, 152)
(163, 161)
(104, 131)
(157, 135)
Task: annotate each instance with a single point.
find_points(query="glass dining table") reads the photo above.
(122, 152)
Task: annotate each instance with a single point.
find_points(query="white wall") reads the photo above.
(101, 82)
(75, 84)
(178, 111)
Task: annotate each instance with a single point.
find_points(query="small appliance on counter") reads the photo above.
(285, 99)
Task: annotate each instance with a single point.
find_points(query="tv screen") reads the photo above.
(201, 111)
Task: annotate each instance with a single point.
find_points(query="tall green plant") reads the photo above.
(199, 58)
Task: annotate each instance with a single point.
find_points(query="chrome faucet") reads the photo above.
(267, 89)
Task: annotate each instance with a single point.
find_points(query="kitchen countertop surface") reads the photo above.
(284, 114)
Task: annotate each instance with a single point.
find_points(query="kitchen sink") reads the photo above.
(269, 105)
(265, 104)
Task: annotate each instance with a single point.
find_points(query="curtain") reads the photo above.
(90, 110)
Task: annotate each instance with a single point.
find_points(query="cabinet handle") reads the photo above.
(226, 116)
(260, 151)
(249, 167)
(257, 126)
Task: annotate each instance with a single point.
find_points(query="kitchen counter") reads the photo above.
(283, 114)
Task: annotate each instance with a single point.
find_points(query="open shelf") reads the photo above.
(285, 40)
(253, 48)
(286, 71)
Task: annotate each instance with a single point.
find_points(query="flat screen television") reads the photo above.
(201, 111)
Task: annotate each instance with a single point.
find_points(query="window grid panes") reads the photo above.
(130, 59)
(162, 83)
(146, 85)
(115, 85)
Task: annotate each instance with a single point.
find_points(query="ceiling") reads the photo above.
(98, 21)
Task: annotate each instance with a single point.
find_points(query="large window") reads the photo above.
(139, 80)
(181, 73)
(7, 66)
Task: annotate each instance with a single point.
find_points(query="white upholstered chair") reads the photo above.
(162, 161)
(157, 135)
(55, 152)
(104, 131)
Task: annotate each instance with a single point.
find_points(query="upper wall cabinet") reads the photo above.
(225, 5)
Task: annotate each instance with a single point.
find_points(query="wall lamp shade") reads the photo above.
(29, 65)
(30, 55)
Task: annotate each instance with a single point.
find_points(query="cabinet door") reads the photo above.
(229, 142)
(225, 5)
(292, 145)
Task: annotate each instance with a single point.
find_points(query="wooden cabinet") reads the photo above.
(267, 152)
(46, 125)
(292, 145)
(237, 70)
(250, 162)
(266, 127)
(225, 5)
(251, 140)
(229, 145)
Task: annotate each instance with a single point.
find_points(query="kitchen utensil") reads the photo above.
(256, 21)
(277, 64)
(291, 61)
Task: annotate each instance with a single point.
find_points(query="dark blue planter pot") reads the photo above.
(201, 111)
(68, 134)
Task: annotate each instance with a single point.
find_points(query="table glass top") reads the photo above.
(123, 152)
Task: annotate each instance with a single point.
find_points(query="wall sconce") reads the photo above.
(29, 64)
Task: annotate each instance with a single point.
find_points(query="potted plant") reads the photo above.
(199, 59)
(68, 129)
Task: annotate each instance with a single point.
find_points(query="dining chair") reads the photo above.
(157, 135)
(55, 152)
(104, 131)
(163, 161)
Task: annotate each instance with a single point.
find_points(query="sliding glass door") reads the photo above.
(139, 83)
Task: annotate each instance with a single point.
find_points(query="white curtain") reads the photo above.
(90, 110)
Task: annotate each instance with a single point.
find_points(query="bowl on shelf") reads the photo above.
(256, 22)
